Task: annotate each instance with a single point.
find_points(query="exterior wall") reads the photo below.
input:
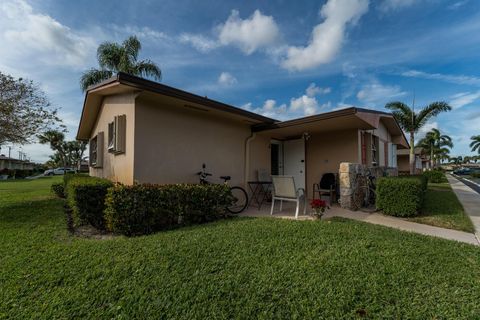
(325, 152)
(172, 142)
(403, 163)
(260, 156)
(116, 167)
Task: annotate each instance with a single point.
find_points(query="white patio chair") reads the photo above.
(284, 190)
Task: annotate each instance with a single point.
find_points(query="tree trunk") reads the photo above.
(432, 162)
(412, 153)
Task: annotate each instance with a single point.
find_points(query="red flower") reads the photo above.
(317, 203)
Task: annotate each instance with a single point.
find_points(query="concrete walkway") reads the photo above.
(374, 218)
(470, 200)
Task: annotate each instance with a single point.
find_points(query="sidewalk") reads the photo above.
(470, 200)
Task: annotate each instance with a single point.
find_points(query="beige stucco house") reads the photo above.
(422, 160)
(143, 131)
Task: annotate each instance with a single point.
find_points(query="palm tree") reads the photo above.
(411, 121)
(113, 58)
(437, 144)
(475, 144)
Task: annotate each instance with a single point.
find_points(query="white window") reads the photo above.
(116, 135)
(392, 152)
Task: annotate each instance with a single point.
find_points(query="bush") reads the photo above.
(400, 196)
(435, 176)
(58, 190)
(86, 197)
(475, 174)
(143, 209)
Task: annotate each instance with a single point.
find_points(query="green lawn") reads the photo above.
(441, 208)
(238, 268)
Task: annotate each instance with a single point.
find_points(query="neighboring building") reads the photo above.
(15, 164)
(422, 160)
(142, 131)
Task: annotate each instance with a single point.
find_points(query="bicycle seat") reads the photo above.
(226, 178)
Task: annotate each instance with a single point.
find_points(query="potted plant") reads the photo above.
(318, 208)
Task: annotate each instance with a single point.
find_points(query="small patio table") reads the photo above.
(259, 191)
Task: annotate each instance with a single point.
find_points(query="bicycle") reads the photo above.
(364, 194)
(239, 194)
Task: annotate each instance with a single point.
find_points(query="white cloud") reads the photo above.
(140, 32)
(28, 35)
(376, 93)
(462, 99)
(457, 5)
(199, 42)
(327, 37)
(257, 31)
(426, 128)
(269, 109)
(393, 5)
(313, 90)
(226, 79)
(306, 104)
(457, 79)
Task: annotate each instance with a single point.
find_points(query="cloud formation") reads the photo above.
(377, 94)
(199, 42)
(457, 79)
(314, 90)
(462, 99)
(226, 79)
(29, 35)
(257, 31)
(328, 36)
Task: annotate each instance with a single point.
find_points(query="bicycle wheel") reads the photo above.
(240, 200)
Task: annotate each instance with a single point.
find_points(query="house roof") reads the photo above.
(123, 82)
(346, 118)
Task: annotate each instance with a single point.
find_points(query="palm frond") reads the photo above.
(109, 56)
(147, 68)
(94, 76)
(432, 110)
(132, 47)
(402, 113)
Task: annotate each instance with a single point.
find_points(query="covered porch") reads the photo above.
(309, 147)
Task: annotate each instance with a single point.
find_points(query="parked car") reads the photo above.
(465, 171)
(58, 171)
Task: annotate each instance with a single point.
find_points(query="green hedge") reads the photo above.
(475, 174)
(143, 208)
(400, 196)
(435, 176)
(58, 190)
(86, 197)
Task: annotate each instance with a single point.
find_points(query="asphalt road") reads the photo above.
(472, 185)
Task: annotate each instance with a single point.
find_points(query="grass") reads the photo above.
(441, 208)
(231, 269)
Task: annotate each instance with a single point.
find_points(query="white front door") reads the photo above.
(294, 161)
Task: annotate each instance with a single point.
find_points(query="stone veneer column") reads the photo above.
(346, 176)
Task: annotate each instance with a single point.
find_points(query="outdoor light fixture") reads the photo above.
(306, 136)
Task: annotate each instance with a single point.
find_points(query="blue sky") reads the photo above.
(283, 59)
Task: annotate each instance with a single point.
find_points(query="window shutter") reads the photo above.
(100, 141)
(120, 133)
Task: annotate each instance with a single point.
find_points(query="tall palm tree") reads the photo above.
(412, 121)
(475, 144)
(437, 144)
(113, 58)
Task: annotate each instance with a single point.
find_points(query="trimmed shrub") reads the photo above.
(435, 176)
(400, 196)
(58, 190)
(86, 197)
(475, 174)
(145, 208)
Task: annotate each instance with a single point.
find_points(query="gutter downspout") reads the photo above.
(247, 156)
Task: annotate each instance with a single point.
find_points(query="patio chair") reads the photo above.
(284, 190)
(327, 186)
